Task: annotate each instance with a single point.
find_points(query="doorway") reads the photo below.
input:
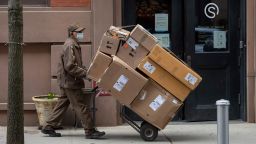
(206, 35)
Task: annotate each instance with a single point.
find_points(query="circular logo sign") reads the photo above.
(211, 10)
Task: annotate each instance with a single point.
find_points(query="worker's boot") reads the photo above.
(54, 127)
(50, 131)
(93, 134)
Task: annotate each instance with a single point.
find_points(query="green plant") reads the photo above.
(51, 95)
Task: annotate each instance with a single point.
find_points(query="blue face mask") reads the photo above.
(80, 36)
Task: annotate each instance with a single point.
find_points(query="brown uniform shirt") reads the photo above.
(70, 68)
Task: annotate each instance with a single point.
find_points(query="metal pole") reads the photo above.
(223, 121)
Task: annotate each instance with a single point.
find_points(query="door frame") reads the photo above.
(243, 51)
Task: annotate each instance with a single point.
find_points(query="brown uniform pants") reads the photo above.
(80, 103)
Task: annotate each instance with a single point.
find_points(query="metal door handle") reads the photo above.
(189, 60)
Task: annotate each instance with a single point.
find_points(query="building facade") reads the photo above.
(45, 30)
(218, 42)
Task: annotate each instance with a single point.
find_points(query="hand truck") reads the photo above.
(147, 131)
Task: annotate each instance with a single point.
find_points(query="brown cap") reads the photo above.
(75, 28)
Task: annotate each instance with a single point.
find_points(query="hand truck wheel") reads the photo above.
(148, 132)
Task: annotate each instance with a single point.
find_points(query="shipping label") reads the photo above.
(191, 79)
(157, 102)
(149, 67)
(132, 43)
(120, 83)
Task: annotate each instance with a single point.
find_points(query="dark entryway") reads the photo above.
(205, 34)
(212, 49)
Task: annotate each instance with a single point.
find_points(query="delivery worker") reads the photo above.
(70, 79)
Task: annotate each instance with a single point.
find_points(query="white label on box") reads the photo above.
(149, 67)
(160, 99)
(121, 82)
(190, 78)
(157, 102)
(132, 43)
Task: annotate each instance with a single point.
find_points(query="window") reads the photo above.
(154, 15)
(211, 31)
(28, 2)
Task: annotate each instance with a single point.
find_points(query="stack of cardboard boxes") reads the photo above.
(142, 75)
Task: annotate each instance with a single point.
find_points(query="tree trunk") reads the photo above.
(15, 115)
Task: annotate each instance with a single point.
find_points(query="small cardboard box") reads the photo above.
(174, 66)
(143, 37)
(97, 68)
(122, 82)
(132, 52)
(122, 34)
(163, 78)
(109, 44)
(156, 105)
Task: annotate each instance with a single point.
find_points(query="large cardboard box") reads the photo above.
(109, 44)
(174, 66)
(122, 82)
(143, 37)
(163, 78)
(156, 105)
(97, 68)
(132, 52)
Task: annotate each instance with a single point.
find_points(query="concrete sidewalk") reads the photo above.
(174, 133)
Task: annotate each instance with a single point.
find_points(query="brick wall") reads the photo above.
(70, 3)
